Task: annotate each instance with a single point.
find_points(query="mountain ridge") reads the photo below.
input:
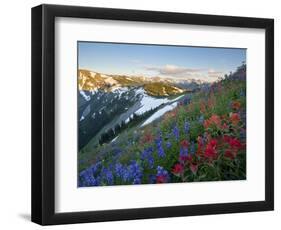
(155, 86)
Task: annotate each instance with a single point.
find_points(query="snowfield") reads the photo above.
(160, 113)
(148, 102)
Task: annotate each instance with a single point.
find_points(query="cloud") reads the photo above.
(181, 72)
(173, 70)
(215, 73)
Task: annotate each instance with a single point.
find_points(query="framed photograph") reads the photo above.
(142, 114)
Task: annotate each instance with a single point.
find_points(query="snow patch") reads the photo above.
(94, 91)
(86, 97)
(149, 103)
(118, 91)
(160, 113)
(114, 139)
(128, 119)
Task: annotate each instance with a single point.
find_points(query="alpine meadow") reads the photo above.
(152, 114)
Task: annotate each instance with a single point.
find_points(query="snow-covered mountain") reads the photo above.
(155, 86)
(100, 111)
(106, 102)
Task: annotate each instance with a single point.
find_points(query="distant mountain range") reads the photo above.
(154, 86)
(107, 101)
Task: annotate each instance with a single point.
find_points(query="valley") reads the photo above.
(109, 104)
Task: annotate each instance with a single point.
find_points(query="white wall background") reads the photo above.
(15, 114)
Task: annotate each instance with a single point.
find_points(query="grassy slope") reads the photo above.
(132, 143)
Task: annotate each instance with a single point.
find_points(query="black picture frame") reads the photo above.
(43, 114)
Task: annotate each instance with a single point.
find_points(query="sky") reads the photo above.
(203, 63)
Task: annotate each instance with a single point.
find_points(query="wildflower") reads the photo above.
(168, 144)
(117, 152)
(193, 168)
(184, 156)
(107, 176)
(235, 105)
(229, 154)
(214, 120)
(235, 118)
(225, 126)
(184, 144)
(160, 179)
(131, 173)
(136, 172)
(87, 179)
(159, 146)
(226, 138)
(213, 142)
(176, 132)
(119, 170)
(162, 175)
(95, 167)
(178, 169)
(235, 143)
(147, 156)
(152, 179)
(125, 175)
(210, 151)
(147, 138)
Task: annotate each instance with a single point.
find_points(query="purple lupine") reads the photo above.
(86, 178)
(176, 132)
(152, 179)
(168, 144)
(147, 156)
(118, 170)
(183, 154)
(161, 152)
(125, 174)
(136, 172)
(107, 176)
(162, 175)
(95, 168)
